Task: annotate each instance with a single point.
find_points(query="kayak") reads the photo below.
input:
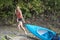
(40, 32)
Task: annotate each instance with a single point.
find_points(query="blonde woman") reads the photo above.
(20, 19)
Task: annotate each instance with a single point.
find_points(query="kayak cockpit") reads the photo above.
(41, 32)
(45, 33)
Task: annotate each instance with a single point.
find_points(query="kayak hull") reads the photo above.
(40, 32)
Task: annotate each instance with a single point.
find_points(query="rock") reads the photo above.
(21, 37)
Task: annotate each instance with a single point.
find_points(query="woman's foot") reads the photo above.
(25, 32)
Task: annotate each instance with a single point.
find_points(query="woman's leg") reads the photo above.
(18, 26)
(21, 25)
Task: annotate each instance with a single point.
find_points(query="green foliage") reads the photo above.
(29, 8)
(3, 38)
(30, 5)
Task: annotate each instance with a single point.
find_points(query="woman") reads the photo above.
(20, 19)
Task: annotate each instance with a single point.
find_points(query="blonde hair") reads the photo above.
(18, 7)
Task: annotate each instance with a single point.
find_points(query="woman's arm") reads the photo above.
(23, 20)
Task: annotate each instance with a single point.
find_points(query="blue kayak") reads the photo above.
(40, 32)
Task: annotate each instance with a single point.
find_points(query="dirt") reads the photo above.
(13, 32)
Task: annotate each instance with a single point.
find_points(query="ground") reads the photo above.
(12, 29)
